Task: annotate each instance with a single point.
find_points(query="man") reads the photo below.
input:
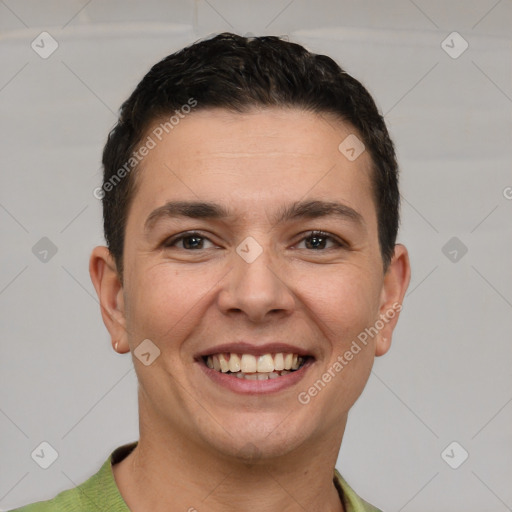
(251, 209)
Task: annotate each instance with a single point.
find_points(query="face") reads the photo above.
(245, 282)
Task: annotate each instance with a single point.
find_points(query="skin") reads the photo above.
(202, 446)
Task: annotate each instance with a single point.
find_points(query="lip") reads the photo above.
(243, 347)
(256, 387)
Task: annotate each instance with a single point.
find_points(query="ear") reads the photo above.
(396, 281)
(105, 278)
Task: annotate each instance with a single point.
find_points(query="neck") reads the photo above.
(167, 469)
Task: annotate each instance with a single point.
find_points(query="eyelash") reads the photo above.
(311, 234)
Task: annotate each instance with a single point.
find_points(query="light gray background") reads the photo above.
(448, 376)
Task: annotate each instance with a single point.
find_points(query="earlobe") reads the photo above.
(382, 346)
(105, 278)
(396, 281)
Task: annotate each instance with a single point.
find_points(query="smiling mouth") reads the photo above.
(250, 367)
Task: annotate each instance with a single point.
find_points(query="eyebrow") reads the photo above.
(312, 209)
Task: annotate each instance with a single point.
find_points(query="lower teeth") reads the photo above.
(259, 376)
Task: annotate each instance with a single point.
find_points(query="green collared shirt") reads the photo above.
(100, 492)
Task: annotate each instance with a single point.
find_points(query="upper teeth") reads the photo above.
(247, 363)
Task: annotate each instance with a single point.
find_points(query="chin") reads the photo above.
(267, 441)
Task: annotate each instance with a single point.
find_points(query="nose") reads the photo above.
(259, 288)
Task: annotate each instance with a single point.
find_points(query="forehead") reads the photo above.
(252, 162)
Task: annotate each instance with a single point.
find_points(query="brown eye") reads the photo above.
(317, 240)
(190, 241)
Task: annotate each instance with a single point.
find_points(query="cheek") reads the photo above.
(165, 301)
(343, 299)
(348, 305)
